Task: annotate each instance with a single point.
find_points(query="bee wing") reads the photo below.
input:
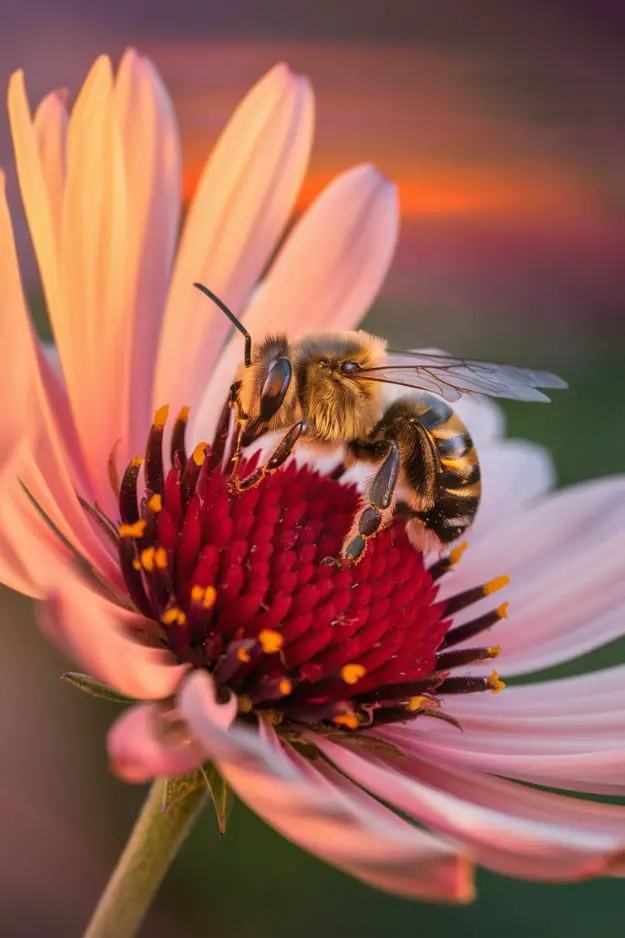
(451, 378)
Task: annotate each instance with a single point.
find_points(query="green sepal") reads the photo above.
(206, 776)
(89, 685)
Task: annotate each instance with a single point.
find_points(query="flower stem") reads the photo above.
(151, 847)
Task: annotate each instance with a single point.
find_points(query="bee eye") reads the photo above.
(349, 368)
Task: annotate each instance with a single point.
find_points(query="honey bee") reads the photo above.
(327, 388)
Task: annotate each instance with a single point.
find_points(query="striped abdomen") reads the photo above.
(441, 469)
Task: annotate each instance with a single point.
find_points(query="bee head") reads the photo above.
(341, 405)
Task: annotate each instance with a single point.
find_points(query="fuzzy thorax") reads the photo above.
(335, 406)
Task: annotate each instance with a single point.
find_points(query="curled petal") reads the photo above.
(224, 739)
(96, 633)
(318, 809)
(326, 275)
(141, 747)
(241, 206)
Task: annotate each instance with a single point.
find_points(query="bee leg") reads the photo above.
(378, 508)
(279, 456)
(241, 420)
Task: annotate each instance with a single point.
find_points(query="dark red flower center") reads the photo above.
(247, 585)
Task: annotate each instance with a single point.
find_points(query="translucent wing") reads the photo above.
(451, 378)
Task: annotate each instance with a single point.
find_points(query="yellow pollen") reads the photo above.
(160, 417)
(136, 563)
(494, 651)
(183, 414)
(210, 597)
(147, 559)
(495, 683)
(502, 611)
(174, 614)
(456, 554)
(493, 585)
(245, 704)
(285, 686)
(271, 641)
(160, 558)
(350, 720)
(155, 502)
(136, 462)
(199, 454)
(132, 530)
(351, 673)
(243, 654)
(197, 593)
(415, 703)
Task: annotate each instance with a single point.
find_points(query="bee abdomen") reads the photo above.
(441, 465)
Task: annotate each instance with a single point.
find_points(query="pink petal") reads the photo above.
(501, 831)
(140, 749)
(224, 739)
(567, 590)
(515, 474)
(484, 418)
(13, 571)
(326, 275)
(95, 633)
(94, 325)
(18, 363)
(241, 206)
(34, 190)
(152, 160)
(567, 733)
(32, 556)
(96, 254)
(50, 125)
(37, 425)
(325, 815)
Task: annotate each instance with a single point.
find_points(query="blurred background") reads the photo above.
(504, 125)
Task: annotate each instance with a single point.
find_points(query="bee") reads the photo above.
(327, 388)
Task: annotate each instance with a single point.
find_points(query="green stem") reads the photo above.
(151, 847)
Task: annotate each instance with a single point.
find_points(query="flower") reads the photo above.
(322, 694)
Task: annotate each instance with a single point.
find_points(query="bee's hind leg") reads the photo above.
(279, 456)
(378, 505)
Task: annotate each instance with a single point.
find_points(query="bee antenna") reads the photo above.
(233, 319)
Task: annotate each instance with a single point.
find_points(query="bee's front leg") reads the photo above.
(279, 456)
(378, 505)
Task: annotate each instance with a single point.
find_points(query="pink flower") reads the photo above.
(321, 694)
